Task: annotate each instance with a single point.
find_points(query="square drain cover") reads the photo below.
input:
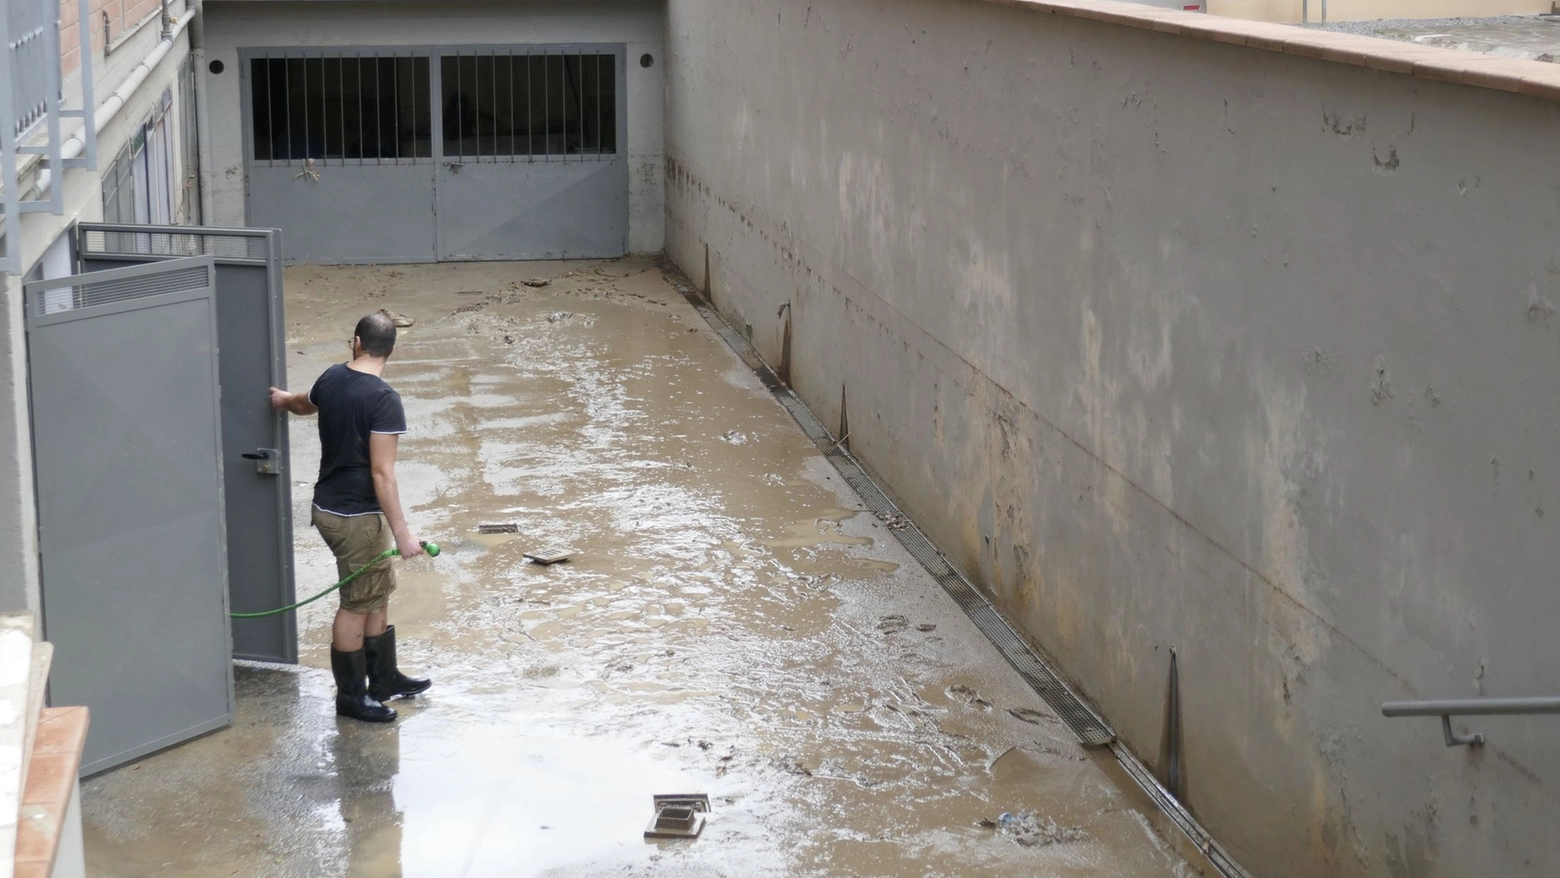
(551, 555)
(678, 815)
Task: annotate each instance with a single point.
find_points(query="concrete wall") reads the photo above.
(232, 26)
(1314, 11)
(1173, 342)
(83, 196)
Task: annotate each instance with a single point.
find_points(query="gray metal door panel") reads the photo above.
(258, 505)
(352, 214)
(533, 210)
(122, 369)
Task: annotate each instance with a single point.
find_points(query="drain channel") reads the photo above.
(1092, 731)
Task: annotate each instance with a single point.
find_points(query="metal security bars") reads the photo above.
(32, 41)
(345, 108)
(533, 104)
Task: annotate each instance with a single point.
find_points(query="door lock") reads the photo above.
(268, 461)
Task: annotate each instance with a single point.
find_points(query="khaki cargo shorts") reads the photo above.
(357, 540)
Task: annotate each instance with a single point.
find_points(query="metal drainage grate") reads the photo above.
(1085, 723)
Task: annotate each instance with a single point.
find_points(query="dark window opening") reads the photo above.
(529, 105)
(345, 108)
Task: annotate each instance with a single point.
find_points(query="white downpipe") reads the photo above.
(115, 102)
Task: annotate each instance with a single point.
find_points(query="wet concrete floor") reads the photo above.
(732, 622)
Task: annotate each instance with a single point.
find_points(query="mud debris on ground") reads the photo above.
(734, 622)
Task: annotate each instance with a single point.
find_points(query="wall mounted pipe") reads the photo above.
(202, 111)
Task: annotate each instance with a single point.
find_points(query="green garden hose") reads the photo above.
(431, 548)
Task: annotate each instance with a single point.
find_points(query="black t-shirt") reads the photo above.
(352, 405)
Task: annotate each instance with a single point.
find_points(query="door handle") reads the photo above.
(454, 166)
(268, 461)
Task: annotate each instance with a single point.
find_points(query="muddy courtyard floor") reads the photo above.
(732, 622)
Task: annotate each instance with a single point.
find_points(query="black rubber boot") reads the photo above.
(352, 698)
(385, 680)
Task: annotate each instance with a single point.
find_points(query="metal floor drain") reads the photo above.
(678, 816)
(1092, 731)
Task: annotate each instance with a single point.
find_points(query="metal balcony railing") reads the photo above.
(31, 97)
(1448, 708)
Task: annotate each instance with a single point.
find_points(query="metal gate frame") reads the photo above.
(145, 244)
(435, 52)
(99, 295)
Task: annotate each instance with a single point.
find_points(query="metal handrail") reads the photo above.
(1448, 708)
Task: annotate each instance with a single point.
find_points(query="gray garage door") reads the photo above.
(122, 367)
(256, 487)
(438, 154)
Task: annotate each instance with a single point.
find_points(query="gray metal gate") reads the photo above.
(424, 154)
(258, 504)
(122, 368)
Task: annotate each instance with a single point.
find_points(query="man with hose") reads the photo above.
(357, 509)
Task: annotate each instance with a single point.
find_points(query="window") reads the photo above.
(341, 108)
(119, 187)
(545, 104)
(138, 185)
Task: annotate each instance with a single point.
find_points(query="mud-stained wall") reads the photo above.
(1177, 343)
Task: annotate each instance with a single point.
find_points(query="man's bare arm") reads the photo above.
(381, 458)
(297, 403)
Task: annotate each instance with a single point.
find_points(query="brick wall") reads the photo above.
(122, 16)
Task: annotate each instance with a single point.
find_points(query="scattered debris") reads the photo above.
(509, 339)
(537, 282)
(968, 695)
(893, 624)
(926, 626)
(894, 522)
(734, 437)
(467, 309)
(400, 320)
(1031, 831)
(548, 556)
(1033, 717)
(508, 528)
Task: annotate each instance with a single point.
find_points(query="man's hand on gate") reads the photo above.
(297, 403)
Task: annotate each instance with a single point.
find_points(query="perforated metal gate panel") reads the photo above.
(122, 369)
(258, 505)
(424, 154)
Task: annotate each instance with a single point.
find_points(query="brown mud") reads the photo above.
(732, 622)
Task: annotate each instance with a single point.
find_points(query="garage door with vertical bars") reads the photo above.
(380, 155)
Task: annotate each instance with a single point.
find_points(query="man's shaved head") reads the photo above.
(377, 333)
